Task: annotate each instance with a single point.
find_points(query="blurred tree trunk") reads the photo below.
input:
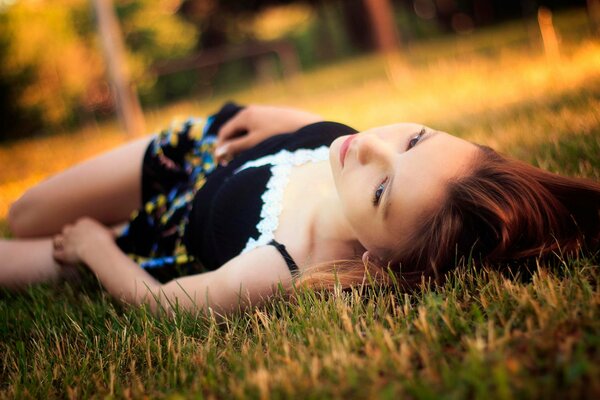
(128, 106)
(382, 23)
(483, 12)
(354, 21)
(593, 7)
(326, 49)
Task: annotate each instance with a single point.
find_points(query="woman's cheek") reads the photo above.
(348, 206)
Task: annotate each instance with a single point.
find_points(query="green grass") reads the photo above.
(481, 335)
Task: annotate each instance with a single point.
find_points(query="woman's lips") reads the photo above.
(344, 148)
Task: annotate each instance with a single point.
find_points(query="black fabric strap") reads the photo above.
(286, 256)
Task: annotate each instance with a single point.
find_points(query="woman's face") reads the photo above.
(387, 177)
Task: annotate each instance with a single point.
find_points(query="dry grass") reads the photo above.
(482, 335)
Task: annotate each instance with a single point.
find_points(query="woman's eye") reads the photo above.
(415, 139)
(379, 192)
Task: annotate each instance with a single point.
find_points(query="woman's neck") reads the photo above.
(312, 224)
(332, 237)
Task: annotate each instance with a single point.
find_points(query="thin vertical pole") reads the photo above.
(128, 106)
(549, 37)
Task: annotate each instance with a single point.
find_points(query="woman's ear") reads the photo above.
(365, 257)
(368, 257)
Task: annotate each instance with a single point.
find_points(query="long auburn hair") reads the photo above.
(503, 210)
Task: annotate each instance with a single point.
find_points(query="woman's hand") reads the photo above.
(256, 123)
(85, 234)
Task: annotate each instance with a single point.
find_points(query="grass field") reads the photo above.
(482, 335)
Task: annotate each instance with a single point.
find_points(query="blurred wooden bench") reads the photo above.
(284, 51)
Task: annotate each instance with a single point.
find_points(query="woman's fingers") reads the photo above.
(254, 124)
(227, 144)
(58, 251)
(234, 127)
(237, 145)
(227, 151)
(85, 233)
(57, 242)
(59, 255)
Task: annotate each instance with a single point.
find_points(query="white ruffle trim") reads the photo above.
(282, 163)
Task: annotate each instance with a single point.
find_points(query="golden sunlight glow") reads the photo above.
(457, 89)
(276, 22)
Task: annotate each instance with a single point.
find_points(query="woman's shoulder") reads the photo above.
(308, 137)
(324, 131)
(311, 136)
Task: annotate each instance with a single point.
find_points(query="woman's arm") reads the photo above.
(244, 281)
(256, 123)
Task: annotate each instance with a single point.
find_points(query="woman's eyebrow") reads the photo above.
(388, 193)
(428, 134)
(388, 198)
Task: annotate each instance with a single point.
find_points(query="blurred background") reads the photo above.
(79, 77)
(55, 73)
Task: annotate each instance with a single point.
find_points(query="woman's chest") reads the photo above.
(308, 184)
(257, 204)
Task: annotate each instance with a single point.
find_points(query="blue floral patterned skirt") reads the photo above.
(176, 164)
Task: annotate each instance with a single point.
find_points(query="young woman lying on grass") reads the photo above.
(252, 198)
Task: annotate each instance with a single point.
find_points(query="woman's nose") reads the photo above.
(371, 148)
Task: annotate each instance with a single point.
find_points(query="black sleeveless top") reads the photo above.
(233, 211)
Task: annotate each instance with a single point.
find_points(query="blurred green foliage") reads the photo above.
(52, 74)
